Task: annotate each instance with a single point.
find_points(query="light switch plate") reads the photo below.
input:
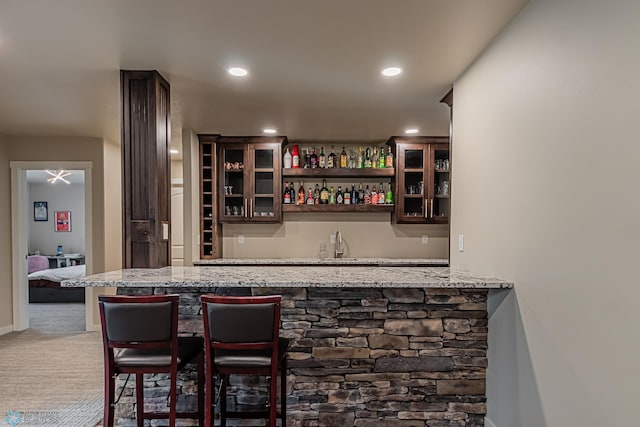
(332, 238)
(240, 239)
(425, 239)
(461, 243)
(165, 231)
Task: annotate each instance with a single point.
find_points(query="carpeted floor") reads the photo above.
(51, 377)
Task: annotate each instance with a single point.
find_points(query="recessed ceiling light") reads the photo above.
(269, 130)
(391, 71)
(411, 131)
(174, 151)
(238, 71)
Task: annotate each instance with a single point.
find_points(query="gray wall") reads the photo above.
(60, 197)
(546, 187)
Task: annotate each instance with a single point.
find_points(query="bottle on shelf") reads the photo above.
(286, 196)
(367, 157)
(301, 194)
(310, 198)
(339, 196)
(381, 159)
(322, 159)
(324, 193)
(381, 195)
(287, 161)
(347, 196)
(314, 159)
(374, 158)
(292, 193)
(332, 159)
(354, 195)
(367, 196)
(374, 196)
(388, 197)
(316, 195)
(332, 197)
(360, 195)
(343, 158)
(360, 158)
(389, 158)
(295, 157)
(307, 158)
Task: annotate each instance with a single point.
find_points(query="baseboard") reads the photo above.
(6, 329)
(488, 422)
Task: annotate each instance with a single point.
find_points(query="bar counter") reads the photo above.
(370, 346)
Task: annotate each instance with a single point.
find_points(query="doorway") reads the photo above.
(57, 227)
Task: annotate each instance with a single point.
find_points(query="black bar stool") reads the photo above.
(242, 337)
(144, 330)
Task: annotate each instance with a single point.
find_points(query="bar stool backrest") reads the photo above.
(148, 319)
(237, 320)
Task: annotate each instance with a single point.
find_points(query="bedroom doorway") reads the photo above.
(56, 249)
(51, 219)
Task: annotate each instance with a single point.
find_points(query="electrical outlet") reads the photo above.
(332, 239)
(240, 239)
(461, 243)
(425, 239)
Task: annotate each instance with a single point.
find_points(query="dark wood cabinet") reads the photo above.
(249, 179)
(422, 180)
(210, 230)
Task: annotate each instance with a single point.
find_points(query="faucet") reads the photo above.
(339, 250)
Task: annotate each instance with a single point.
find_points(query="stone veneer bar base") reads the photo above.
(363, 357)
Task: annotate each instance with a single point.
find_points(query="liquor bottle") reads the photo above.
(388, 197)
(332, 159)
(332, 197)
(360, 158)
(360, 195)
(367, 196)
(381, 195)
(286, 196)
(292, 193)
(322, 159)
(374, 196)
(287, 159)
(381, 159)
(295, 163)
(374, 158)
(347, 196)
(339, 196)
(389, 158)
(324, 193)
(343, 158)
(301, 194)
(314, 159)
(316, 195)
(354, 195)
(307, 159)
(367, 157)
(310, 198)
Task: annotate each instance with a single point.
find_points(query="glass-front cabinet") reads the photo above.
(422, 180)
(249, 183)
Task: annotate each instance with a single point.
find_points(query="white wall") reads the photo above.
(6, 309)
(546, 150)
(60, 197)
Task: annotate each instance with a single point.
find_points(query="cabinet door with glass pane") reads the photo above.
(265, 185)
(411, 206)
(440, 183)
(232, 185)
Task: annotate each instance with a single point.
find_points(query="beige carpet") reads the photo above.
(51, 378)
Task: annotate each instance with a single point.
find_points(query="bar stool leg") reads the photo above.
(200, 368)
(283, 391)
(109, 397)
(140, 400)
(223, 400)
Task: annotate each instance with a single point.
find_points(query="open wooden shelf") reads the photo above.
(339, 172)
(338, 208)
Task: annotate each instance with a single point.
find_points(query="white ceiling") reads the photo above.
(314, 64)
(41, 177)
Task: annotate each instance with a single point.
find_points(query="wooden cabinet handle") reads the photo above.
(250, 208)
(431, 209)
(245, 208)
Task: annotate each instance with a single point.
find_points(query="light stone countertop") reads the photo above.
(287, 276)
(418, 262)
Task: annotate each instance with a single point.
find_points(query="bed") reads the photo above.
(44, 285)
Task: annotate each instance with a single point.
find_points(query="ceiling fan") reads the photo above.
(60, 175)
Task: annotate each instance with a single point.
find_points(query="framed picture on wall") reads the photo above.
(40, 211)
(63, 221)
